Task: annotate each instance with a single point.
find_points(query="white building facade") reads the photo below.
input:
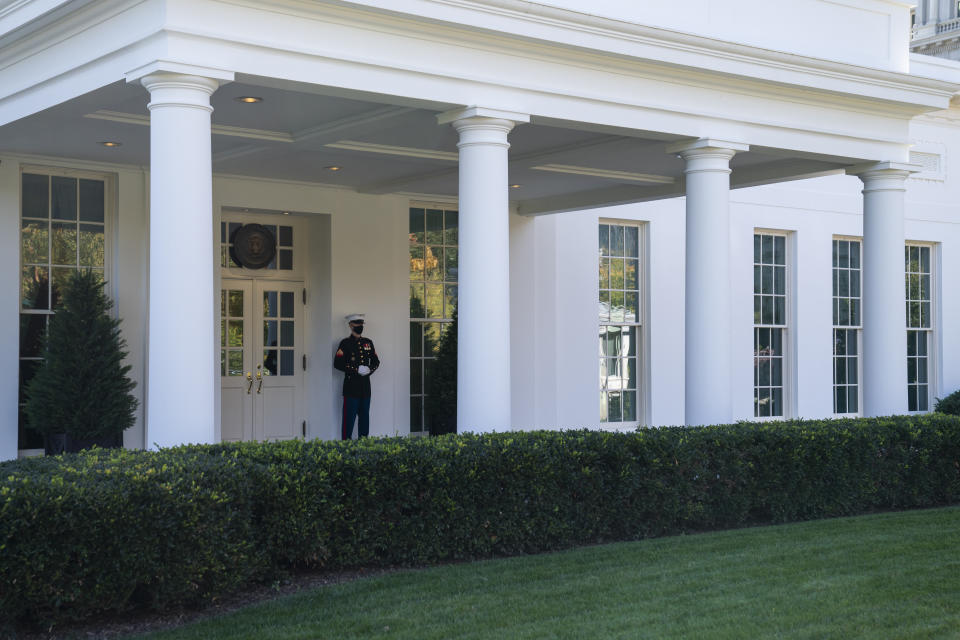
(724, 214)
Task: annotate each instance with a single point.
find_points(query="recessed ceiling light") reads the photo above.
(515, 186)
(333, 167)
(249, 99)
(286, 213)
(111, 143)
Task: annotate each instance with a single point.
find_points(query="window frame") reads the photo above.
(787, 342)
(859, 333)
(641, 398)
(110, 208)
(933, 334)
(443, 322)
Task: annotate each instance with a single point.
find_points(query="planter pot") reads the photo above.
(57, 443)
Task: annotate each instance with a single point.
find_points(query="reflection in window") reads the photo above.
(619, 316)
(433, 240)
(847, 273)
(769, 322)
(62, 221)
(918, 282)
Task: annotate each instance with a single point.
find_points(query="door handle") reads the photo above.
(259, 379)
(249, 382)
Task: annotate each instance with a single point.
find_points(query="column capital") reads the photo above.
(165, 66)
(887, 169)
(479, 113)
(706, 146)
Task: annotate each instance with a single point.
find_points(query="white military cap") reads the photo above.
(355, 317)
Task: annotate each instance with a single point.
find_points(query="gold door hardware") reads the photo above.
(249, 382)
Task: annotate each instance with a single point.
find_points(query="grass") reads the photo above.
(893, 575)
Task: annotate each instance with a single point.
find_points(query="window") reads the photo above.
(846, 325)
(769, 323)
(619, 315)
(919, 325)
(62, 229)
(433, 242)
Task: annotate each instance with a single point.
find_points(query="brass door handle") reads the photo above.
(259, 379)
(249, 382)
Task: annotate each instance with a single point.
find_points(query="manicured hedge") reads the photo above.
(112, 530)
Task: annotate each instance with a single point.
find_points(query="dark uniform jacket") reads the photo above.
(352, 353)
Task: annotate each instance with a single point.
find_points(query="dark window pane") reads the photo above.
(416, 377)
(764, 372)
(34, 288)
(766, 255)
(855, 312)
(776, 397)
(604, 240)
(852, 370)
(416, 339)
(434, 226)
(766, 283)
(911, 398)
(90, 244)
(285, 237)
(776, 372)
(854, 255)
(416, 414)
(631, 245)
(269, 362)
(911, 343)
(925, 259)
(64, 191)
(629, 406)
(270, 304)
(286, 304)
(780, 280)
(921, 343)
(613, 407)
(286, 259)
(450, 265)
(270, 333)
(779, 310)
(840, 400)
(855, 284)
(451, 224)
(35, 242)
(33, 326)
(36, 196)
(756, 248)
(839, 371)
(91, 200)
(417, 309)
(852, 402)
(286, 333)
(922, 398)
(616, 243)
(844, 260)
(416, 225)
(60, 276)
(922, 370)
(911, 370)
(836, 253)
(286, 362)
(28, 369)
(630, 275)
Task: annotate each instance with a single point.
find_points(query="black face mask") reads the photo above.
(358, 329)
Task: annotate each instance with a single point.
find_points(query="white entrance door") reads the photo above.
(261, 352)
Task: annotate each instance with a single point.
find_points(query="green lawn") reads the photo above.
(881, 576)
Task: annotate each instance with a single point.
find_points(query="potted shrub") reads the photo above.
(80, 396)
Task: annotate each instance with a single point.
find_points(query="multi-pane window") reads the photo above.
(433, 242)
(846, 325)
(919, 326)
(283, 234)
(619, 315)
(61, 230)
(769, 323)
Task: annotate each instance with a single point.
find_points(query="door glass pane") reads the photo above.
(286, 333)
(235, 333)
(416, 337)
(269, 362)
(269, 304)
(286, 259)
(235, 363)
(270, 333)
(32, 328)
(286, 362)
(236, 304)
(286, 304)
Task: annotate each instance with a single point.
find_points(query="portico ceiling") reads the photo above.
(381, 147)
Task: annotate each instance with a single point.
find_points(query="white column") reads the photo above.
(181, 380)
(707, 298)
(483, 356)
(884, 349)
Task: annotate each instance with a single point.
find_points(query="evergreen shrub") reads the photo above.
(949, 405)
(113, 530)
(82, 389)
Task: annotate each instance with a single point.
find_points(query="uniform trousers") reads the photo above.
(352, 409)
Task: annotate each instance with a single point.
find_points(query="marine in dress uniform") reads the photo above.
(357, 358)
